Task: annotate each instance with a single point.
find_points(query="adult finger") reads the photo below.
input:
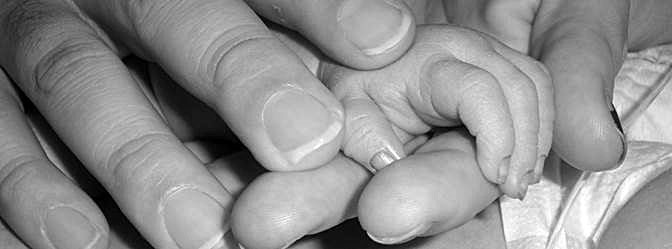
(37, 201)
(221, 52)
(583, 44)
(85, 92)
(435, 190)
(235, 171)
(278, 208)
(189, 118)
(8, 239)
(364, 34)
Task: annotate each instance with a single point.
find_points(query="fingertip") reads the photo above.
(494, 169)
(304, 130)
(423, 195)
(70, 227)
(382, 159)
(363, 34)
(380, 30)
(278, 208)
(583, 61)
(587, 135)
(391, 208)
(194, 218)
(369, 137)
(259, 220)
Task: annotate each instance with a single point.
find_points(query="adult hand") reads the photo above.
(437, 188)
(583, 44)
(279, 208)
(65, 56)
(235, 171)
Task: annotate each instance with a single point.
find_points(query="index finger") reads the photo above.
(221, 52)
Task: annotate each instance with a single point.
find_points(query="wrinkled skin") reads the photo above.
(453, 76)
(581, 42)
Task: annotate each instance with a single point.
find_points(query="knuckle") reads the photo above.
(521, 85)
(74, 61)
(466, 39)
(139, 159)
(239, 54)
(359, 134)
(231, 47)
(19, 173)
(45, 37)
(475, 80)
(146, 15)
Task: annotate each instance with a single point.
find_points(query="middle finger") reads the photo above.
(85, 92)
(222, 53)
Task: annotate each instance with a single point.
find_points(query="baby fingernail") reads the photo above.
(374, 26)
(523, 184)
(67, 228)
(617, 121)
(416, 231)
(382, 159)
(538, 170)
(195, 220)
(503, 171)
(298, 124)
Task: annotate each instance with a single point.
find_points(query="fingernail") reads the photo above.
(67, 228)
(298, 124)
(503, 171)
(523, 184)
(617, 121)
(538, 170)
(415, 232)
(194, 220)
(382, 159)
(374, 26)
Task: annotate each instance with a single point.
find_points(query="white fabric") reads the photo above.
(528, 224)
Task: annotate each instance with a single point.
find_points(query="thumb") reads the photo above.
(583, 44)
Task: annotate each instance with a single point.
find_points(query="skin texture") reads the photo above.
(285, 214)
(65, 58)
(583, 44)
(279, 215)
(483, 230)
(646, 25)
(505, 101)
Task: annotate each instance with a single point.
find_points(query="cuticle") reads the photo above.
(43, 225)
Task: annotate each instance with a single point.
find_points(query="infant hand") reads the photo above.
(451, 76)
